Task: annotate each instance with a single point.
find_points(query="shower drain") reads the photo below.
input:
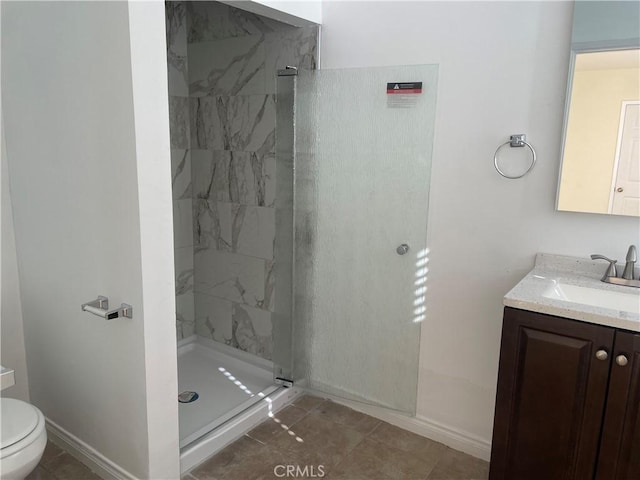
(188, 397)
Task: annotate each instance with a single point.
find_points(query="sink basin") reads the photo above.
(627, 302)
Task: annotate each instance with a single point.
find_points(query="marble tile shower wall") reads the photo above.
(176, 23)
(226, 130)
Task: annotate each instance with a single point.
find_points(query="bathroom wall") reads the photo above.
(503, 70)
(229, 142)
(11, 327)
(87, 137)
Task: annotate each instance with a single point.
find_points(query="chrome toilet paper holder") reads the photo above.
(100, 307)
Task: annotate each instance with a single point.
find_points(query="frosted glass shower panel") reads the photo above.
(366, 158)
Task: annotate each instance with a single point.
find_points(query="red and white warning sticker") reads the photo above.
(403, 94)
(404, 88)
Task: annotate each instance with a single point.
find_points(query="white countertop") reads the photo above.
(550, 270)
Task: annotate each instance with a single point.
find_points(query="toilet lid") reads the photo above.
(18, 420)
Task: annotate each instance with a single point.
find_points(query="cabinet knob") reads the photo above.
(602, 355)
(622, 360)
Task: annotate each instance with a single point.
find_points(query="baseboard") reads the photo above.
(89, 456)
(452, 437)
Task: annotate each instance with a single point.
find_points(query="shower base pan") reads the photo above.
(235, 393)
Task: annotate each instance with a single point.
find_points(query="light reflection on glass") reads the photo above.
(419, 301)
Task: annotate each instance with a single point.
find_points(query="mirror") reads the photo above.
(600, 169)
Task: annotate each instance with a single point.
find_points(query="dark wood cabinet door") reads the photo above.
(619, 457)
(550, 397)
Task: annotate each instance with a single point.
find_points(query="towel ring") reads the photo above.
(517, 140)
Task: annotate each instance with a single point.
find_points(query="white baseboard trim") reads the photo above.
(89, 456)
(431, 429)
(452, 437)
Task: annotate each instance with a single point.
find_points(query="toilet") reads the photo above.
(23, 438)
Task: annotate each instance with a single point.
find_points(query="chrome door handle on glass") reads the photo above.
(402, 249)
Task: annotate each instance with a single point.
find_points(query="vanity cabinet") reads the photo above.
(619, 456)
(567, 405)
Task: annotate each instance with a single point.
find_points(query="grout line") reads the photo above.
(281, 430)
(375, 428)
(253, 438)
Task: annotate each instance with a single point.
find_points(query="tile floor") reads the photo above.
(315, 433)
(56, 464)
(339, 443)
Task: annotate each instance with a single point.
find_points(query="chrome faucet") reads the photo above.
(632, 256)
(611, 275)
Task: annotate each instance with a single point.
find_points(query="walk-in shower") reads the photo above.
(232, 208)
(293, 190)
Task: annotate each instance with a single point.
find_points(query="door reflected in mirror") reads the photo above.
(601, 155)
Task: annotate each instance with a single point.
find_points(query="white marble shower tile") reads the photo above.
(213, 20)
(269, 302)
(247, 178)
(269, 175)
(238, 123)
(213, 318)
(182, 223)
(176, 27)
(177, 75)
(234, 66)
(297, 47)
(253, 231)
(231, 115)
(179, 122)
(212, 224)
(180, 174)
(252, 330)
(185, 315)
(208, 122)
(257, 132)
(210, 174)
(230, 276)
(183, 260)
